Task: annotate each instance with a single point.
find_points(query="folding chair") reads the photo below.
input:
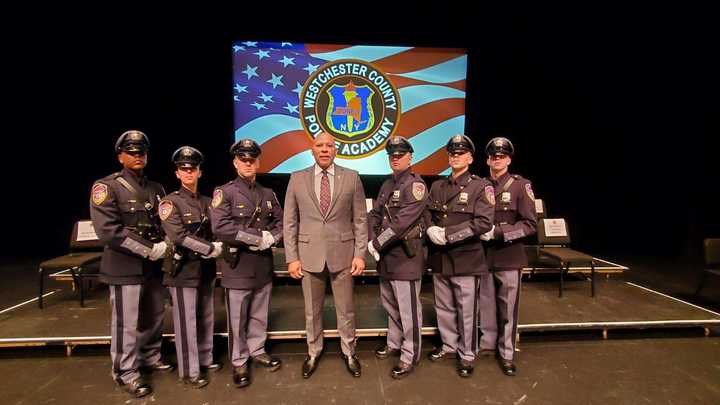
(85, 250)
(554, 238)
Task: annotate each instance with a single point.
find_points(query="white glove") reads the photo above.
(437, 235)
(372, 251)
(158, 251)
(267, 241)
(489, 234)
(217, 249)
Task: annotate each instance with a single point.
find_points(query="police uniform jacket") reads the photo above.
(465, 208)
(239, 212)
(117, 212)
(405, 196)
(515, 218)
(184, 216)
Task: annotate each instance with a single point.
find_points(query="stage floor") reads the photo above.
(617, 305)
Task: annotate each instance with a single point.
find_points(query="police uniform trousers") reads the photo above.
(401, 300)
(456, 301)
(499, 300)
(136, 327)
(313, 287)
(247, 315)
(193, 318)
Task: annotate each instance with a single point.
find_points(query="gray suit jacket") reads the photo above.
(334, 239)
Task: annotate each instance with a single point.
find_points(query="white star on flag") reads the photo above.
(259, 106)
(276, 80)
(286, 61)
(291, 108)
(266, 98)
(250, 71)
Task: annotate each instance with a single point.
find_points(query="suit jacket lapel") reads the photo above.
(310, 183)
(338, 181)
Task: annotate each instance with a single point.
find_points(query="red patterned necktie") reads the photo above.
(324, 193)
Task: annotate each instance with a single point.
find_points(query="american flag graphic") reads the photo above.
(269, 78)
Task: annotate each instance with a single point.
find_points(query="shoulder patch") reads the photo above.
(418, 190)
(490, 194)
(529, 191)
(99, 193)
(217, 198)
(165, 209)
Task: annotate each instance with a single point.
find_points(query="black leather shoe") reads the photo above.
(309, 366)
(212, 367)
(137, 388)
(196, 382)
(160, 366)
(267, 361)
(386, 351)
(487, 353)
(508, 367)
(439, 354)
(401, 370)
(465, 368)
(353, 365)
(241, 376)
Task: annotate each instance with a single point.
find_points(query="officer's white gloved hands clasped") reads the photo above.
(372, 251)
(158, 251)
(489, 234)
(217, 250)
(437, 235)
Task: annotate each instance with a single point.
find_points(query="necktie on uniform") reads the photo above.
(324, 193)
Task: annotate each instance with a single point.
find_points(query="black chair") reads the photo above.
(554, 249)
(85, 250)
(712, 261)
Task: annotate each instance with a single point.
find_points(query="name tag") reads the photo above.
(269, 204)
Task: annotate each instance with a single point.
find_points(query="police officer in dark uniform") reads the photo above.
(248, 218)
(123, 208)
(462, 208)
(189, 272)
(396, 227)
(515, 218)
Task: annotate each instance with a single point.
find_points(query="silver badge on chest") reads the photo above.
(396, 195)
(463, 198)
(505, 197)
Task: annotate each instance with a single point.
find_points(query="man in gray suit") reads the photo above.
(325, 232)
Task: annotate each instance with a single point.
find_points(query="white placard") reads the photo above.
(86, 231)
(539, 206)
(368, 204)
(555, 227)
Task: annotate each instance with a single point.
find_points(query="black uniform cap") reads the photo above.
(460, 143)
(246, 148)
(187, 156)
(397, 145)
(132, 141)
(500, 145)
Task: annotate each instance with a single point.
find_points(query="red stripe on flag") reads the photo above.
(417, 59)
(281, 147)
(401, 82)
(433, 164)
(322, 48)
(426, 116)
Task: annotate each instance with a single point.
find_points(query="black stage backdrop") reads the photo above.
(613, 112)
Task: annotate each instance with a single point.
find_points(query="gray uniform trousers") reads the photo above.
(247, 314)
(136, 327)
(456, 301)
(499, 300)
(193, 320)
(401, 300)
(313, 287)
